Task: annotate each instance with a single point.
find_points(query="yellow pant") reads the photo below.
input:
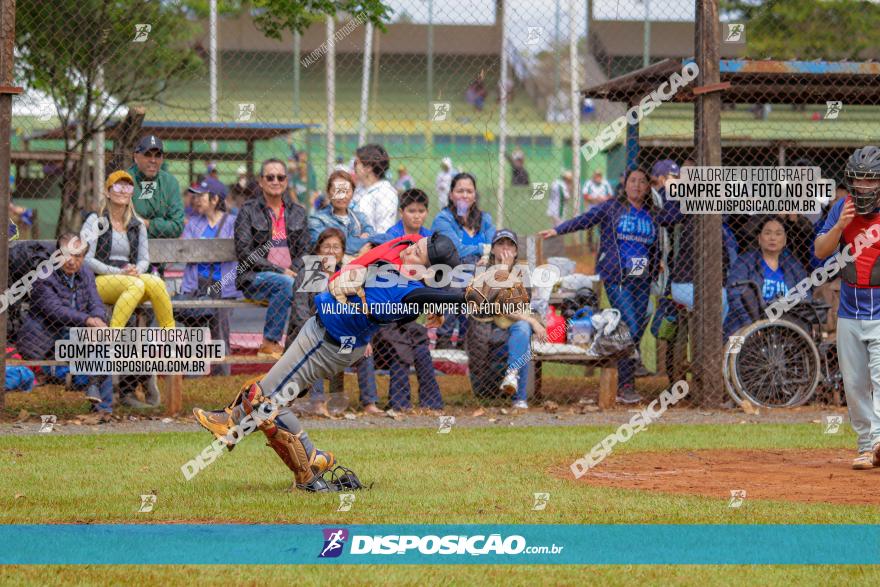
(125, 292)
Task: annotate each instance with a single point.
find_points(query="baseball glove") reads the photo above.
(494, 293)
(350, 281)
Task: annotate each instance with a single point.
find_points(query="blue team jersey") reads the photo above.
(635, 235)
(856, 303)
(774, 282)
(385, 303)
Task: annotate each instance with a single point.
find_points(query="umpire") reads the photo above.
(858, 324)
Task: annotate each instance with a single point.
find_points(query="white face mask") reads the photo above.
(242, 182)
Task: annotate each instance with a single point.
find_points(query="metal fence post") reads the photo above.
(7, 43)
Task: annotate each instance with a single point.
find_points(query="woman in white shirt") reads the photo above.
(378, 202)
(120, 257)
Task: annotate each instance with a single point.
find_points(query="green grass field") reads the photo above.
(473, 475)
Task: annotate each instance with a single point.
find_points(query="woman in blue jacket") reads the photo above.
(471, 230)
(772, 267)
(629, 260)
(339, 215)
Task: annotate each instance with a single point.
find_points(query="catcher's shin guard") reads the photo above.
(221, 422)
(307, 469)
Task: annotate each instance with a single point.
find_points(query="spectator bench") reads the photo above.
(607, 374)
(607, 368)
(177, 251)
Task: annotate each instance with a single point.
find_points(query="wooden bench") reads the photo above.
(176, 251)
(607, 375)
(607, 368)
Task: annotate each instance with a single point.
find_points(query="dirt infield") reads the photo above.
(811, 476)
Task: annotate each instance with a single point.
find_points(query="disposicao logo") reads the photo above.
(334, 541)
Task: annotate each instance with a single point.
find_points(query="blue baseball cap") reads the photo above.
(209, 185)
(665, 167)
(505, 233)
(149, 143)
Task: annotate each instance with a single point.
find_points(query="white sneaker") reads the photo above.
(510, 382)
(520, 405)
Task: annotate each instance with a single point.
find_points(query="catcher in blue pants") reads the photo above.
(330, 341)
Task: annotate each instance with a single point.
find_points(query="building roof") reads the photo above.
(758, 82)
(199, 131)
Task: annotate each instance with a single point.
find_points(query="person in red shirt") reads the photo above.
(271, 236)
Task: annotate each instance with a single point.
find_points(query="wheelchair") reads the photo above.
(782, 363)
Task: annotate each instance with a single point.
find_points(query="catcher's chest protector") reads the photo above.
(388, 252)
(864, 271)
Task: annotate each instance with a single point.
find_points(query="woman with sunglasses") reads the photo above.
(120, 257)
(271, 236)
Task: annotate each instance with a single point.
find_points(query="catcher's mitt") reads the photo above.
(350, 281)
(495, 293)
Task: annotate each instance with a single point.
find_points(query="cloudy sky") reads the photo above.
(524, 14)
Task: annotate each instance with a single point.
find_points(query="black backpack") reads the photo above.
(24, 256)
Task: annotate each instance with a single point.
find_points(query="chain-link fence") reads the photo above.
(181, 97)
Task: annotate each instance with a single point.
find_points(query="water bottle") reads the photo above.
(580, 328)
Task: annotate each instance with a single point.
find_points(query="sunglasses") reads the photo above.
(270, 178)
(122, 188)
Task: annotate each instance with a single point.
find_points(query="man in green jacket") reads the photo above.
(156, 192)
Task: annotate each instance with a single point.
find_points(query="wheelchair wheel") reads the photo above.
(777, 365)
(727, 370)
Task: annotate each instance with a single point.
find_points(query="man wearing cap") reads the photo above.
(156, 192)
(662, 172)
(332, 340)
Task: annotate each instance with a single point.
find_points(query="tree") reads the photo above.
(808, 29)
(404, 18)
(88, 56)
(274, 16)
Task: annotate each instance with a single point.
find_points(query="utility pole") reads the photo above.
(707, 336)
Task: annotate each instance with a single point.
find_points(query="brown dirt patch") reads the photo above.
(813, 476)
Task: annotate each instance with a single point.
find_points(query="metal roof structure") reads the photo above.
(199, 131)
(757, 81)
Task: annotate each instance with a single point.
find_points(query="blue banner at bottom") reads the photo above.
(115, 544)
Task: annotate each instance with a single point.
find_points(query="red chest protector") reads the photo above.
(385, 253)
(864, 271)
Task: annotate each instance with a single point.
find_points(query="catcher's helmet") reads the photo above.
(343, 479)
(864, 163)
